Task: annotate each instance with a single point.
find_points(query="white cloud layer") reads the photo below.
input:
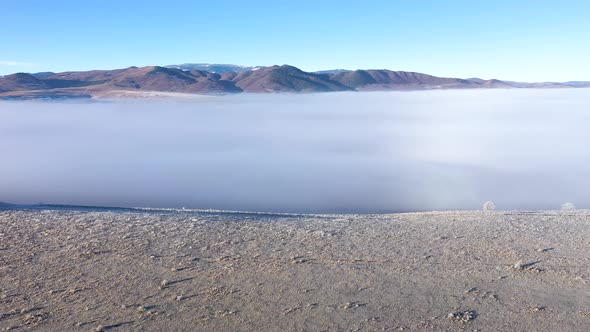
(333, 152)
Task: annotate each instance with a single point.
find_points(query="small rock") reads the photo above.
(312, 306)
(351, 305)
(462, 316)
(99, 328)
(519, 265)
(164, 283)
(36, 318)
(298, 259)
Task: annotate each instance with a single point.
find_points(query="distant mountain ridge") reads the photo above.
(224, 79)
(214, 68)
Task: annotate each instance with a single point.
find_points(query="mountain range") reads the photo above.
(224, 79)
(214, 68)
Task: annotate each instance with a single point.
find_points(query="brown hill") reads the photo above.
(285, 79)
(152, 79)
(494, 83)
(21, 82)
(260, 80)
(395, 80)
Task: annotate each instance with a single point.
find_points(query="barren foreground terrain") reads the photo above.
(205, 271)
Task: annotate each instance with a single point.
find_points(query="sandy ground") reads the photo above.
(150, 271)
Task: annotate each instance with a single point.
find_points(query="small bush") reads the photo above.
(489, 206)
(568, 206)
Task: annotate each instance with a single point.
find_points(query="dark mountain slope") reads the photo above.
(152, 78)
(21, 82)
(285, 79)
(387, 79)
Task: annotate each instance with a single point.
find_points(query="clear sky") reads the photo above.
(516, 40)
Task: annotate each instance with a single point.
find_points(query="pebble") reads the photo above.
(519, 265)
(462, 316)
(350, 305)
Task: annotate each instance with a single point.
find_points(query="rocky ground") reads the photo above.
(154, 271)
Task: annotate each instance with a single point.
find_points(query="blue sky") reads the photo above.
(517, 40)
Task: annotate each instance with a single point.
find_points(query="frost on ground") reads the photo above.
(155, 271)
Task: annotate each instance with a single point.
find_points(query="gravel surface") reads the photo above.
(155, 271)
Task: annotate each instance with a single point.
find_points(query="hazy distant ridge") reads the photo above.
(214, 68)
(223, 79)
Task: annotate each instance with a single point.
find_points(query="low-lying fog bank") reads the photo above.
(337, 152)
